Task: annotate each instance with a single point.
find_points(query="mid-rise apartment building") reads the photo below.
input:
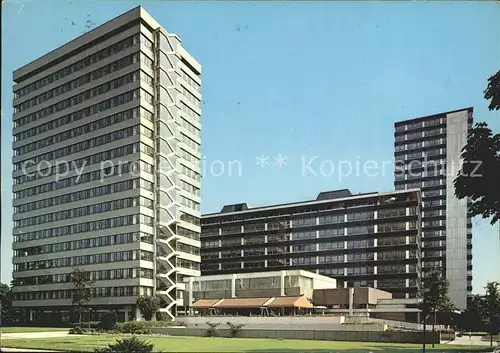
(106, 170)
(428, 156)
(363, 240)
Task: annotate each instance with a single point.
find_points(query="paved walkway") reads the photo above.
(24, 335)
(465, 340)
(5, 349)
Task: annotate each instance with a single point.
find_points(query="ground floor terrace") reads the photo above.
(267, 306)
(66, 315)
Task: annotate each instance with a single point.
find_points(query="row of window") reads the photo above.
(189, 80)
(385, 241)
(85, 243)
(78, 131)
(122, 273)
(189, 188)
(191, 265)
(79, 65)
(79, 98)
(186, 217)
(394, 283)
(190, 97)
(330, 219)
(80, 146)
(89, 111)
(390, 241)
(147, 79)
(84, 211)
(190, 158)
(189, 112)
(188, 249)
(190, 173)
(150, 151)
(190, 203)
(80, 260)
(418, 125)
(433, 203)
(190, 127)
(419, 144)
(395, 268)
(147, 61)
(392, 255)
(80, 195)
(77, 164)
(420, 134)
(68, 293)
(117, 170)
(84, 227)
(79, 81)
(188, 233)
(236, 253)
(190, 142)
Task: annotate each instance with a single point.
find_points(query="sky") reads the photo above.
(294, 89)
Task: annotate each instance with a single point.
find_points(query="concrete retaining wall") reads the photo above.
(447, 336)
(273, 322)
(360, 336)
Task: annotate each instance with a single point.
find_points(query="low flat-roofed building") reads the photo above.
(285, 283)
(291, 292)
(366, 301)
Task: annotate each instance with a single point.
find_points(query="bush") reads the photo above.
(135, 327)
(212, 329)
(85, 325)
(148, 306)
(108, 321)
(76, 331)
(234, 328)
(127, 345)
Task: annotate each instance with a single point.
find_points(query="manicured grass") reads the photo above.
(201, 344)
(31, 329)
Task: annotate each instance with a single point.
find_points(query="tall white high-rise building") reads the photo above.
(106, 171)
(428, 156)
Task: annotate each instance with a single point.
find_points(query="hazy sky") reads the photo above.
(294, 81)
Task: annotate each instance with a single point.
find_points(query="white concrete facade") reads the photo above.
(107, 168)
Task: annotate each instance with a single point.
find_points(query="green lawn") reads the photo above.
(199, 344)
(31, 329)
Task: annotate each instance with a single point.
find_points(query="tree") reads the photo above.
(82, 290)
(490, 309)
(436, 298)
(480, 173)
(5, 300)
(470, 319)
(148, 306)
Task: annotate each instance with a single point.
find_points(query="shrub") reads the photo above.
(77, 331)
(135, 327)
(234, 328)
(148, 306)
(93, 324)
(108, 321)
(212, 329)
(127, 345)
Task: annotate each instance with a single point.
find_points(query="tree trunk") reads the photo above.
(491, 340)
(433, 327)
(424, 338)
